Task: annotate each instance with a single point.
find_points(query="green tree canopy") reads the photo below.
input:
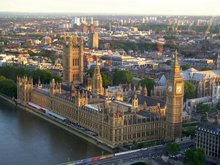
(122, 77)
(127, 45)
(15, 71)
(205, 68)
(2, 78)
(106, 77)
(43, 54)
(169, 62)
(170, 37)
(189, 131)
(8, 87)
(185, 67)
(172, 148)
(203, 108)
(218, 106)
(194, 156)
(190, 90)
(1, 49)
(149, 83)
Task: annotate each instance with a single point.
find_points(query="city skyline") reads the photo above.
(156, 7)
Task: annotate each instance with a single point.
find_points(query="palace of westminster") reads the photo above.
(130, 117)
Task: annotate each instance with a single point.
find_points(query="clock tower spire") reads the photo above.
(174, 102)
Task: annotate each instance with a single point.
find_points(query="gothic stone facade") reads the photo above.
(116, 122)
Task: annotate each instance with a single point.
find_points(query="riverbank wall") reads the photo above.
(79, 133)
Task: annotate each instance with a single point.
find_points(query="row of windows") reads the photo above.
(135, 136)
(75, 62)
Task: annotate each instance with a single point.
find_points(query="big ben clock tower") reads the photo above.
(174, 102)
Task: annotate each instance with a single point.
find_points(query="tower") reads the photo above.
(135, 101)
(97, 88)
(93, 40)
(55, 87)
(73, 61)
(174, 102)
(145, 91)
(24, 89)
(81, 61)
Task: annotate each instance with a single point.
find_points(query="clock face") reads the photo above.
(179, 89)
(170, 88)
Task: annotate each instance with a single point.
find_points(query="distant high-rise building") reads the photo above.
(76, 21)
(83, 20)
(93, 40)
(96, 23)
(91, 20)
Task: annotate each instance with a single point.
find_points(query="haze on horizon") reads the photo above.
(145, 7)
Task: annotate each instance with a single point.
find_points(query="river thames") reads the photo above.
(28, 139)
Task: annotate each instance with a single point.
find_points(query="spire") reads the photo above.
(145, 91)
(176, 66)
(97, 69)
(39, 85)
(97, 84)
(74, 40)
(176, 62)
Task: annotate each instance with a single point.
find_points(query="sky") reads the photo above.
(147, 7)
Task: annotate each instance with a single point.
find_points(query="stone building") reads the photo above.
(207, 84)
(97, 88)
(73, 61)
(208, 137)
(130, 117)
(174, 102)
(93, 41)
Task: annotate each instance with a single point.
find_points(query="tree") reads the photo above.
(1, 49)
(170, 37)
(8, 87)
(106, 77)
(185, 67)
(218, 106)
(194, 156)
(189, 131)
(190, 90)
(44, 75)
(203, 117)
(168, 62)
(172, 148)
(43, 54)
(122, 77)
(106, 80)
(205, 68)
(203, 108)
(149, 83)
(2, 78)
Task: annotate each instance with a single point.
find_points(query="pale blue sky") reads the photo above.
(174, 7)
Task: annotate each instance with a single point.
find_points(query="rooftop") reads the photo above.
(210, 127)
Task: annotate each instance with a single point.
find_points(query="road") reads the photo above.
(152, 152)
